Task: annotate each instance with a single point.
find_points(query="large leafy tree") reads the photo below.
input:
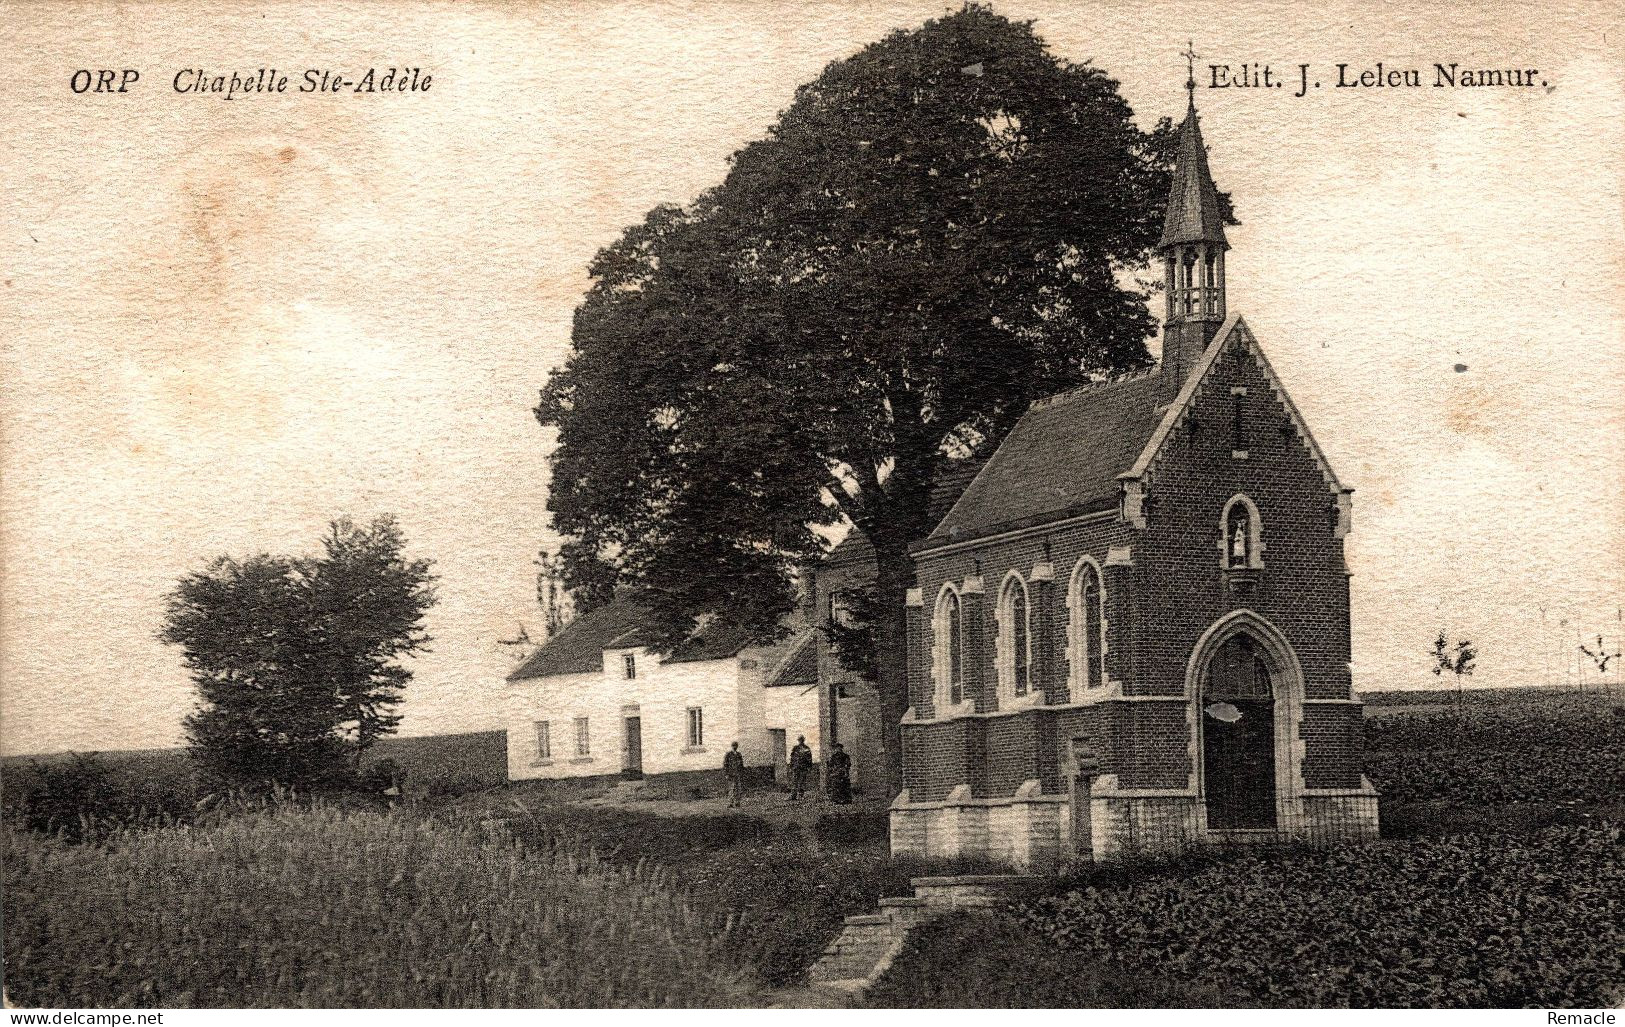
(938, 230)
(297, 659)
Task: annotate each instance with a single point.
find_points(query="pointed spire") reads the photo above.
(1193, 202)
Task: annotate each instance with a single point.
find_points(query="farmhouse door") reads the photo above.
(775, 741)
(1238, 738)
(634, 748)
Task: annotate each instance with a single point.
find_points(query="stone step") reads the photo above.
(868, 942)
(877, 926)
(953, 891)
(856, 953)
(857, 946)
(860, 963)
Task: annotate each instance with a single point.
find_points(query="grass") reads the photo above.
(434, 764)
(779, 888)
(322, 908)
(1496, 865)
(97, 792)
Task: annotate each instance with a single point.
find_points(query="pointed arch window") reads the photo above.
(948, 650)
(1015, 638)
(1086, 604)
(1241, 542)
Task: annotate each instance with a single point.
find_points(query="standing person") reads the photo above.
(839, 776)
(733, 768)
(801, 762)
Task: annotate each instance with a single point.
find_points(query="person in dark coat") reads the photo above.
(801, 762)
(838, 774)
(733, 768)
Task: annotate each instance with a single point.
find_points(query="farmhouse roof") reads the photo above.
(1062, 458)
(622, 624)
(800, 666)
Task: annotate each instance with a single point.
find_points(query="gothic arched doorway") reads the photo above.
(1237, 712)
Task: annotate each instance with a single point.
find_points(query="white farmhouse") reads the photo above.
(594, 701)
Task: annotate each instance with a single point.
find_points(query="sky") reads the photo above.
(226, 322)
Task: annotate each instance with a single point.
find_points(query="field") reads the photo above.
(1499, 882)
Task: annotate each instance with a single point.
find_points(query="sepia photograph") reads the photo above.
(617, 504)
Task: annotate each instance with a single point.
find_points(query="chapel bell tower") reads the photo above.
(1192, 246)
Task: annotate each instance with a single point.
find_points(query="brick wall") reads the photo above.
(1180, 587)
(859, 727)
(936, 758)
(992, 561)
(1158, 605)
(1334, 745)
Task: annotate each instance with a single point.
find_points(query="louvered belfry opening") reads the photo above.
(1238, 737)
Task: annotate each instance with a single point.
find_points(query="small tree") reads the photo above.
(296, 659)
(1601, 657)
(553, 594)
(1458, 661)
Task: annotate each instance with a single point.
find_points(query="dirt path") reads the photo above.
(769, 805)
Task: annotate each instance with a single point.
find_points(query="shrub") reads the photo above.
(626, 837)
(324, 908)
(83, 797)
(786, 902)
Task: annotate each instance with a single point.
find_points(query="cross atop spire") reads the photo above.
(1190, 55)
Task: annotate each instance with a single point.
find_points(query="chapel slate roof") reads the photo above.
(1193, 213)
(1062, 458)
(622, 624)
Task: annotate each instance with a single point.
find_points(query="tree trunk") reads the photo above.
(894, 577)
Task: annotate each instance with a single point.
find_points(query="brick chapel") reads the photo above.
(1131, 631)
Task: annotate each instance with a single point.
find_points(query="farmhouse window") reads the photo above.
(583, 738)
(696, 727)
(629, 666)
(841, 610)
(544, 741)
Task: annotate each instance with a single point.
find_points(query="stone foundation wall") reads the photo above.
(1032, 831)
(1026, 830)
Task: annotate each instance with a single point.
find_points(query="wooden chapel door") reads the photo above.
(1238, 737)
